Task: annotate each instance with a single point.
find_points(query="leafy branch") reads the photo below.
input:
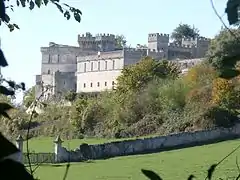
(65, 9)
(233, 6)
(29, 126)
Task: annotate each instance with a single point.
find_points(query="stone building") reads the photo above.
(96, 63)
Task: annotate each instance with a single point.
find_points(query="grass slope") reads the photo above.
(170, 165)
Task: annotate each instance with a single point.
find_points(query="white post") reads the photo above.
(19, 144)
(58, 144)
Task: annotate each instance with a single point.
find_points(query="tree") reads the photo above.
(232, 11)
(70, 96)
(136, 76)
(64, 8)
(184, 31)
(223, 52)
(120, 41)
(29, 97)
(140, 46)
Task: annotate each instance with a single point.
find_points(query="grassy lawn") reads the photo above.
(170, 165)
(45, 144)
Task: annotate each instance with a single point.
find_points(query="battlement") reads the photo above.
(134, 50)
(85, 37)
(105, 37)
(196, 39)
(97, 37)
(172, 45)
(158, 35)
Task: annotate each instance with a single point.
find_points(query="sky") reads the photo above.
(132, 18)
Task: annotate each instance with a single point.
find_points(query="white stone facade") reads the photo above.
(99, 72)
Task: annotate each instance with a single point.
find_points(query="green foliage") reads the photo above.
(29, 97)
(184, 31)
(162, 104)
(200, 75)
(63, 8)
(120, 41)
(223, 52)
(70, 96)
(232, 11)
(137, 76)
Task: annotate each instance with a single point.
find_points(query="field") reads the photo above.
(170, 165)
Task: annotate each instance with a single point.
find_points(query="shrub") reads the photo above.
(172, 94)
(216, 117)
(199, 94)
(200, 75)
(221, 89)
(149, 124)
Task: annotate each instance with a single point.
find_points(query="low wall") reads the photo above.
(36, 158)
(147, 145)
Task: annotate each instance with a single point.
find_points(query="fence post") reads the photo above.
(19, 144)
(58, 145)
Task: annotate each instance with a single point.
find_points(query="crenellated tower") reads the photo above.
(100, 42)
(87, 42)
(158, 42)
(201, 45)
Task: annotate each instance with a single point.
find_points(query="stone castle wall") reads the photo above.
(64, 82)
(85, 58)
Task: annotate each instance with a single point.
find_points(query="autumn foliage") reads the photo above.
(200, 74)
(221, 89)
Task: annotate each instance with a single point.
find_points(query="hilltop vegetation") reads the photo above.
(151, 98)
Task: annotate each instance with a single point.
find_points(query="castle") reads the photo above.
(95, 65)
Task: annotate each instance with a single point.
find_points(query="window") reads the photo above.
(84, 85)
(113, 64)
(106, 65)
(91, 66)
(105, 83)
(98, 84)
(49, 58)
(90, 84)
(58, 58)
(113, 83)
(99, 65)
(48, 71)
(85, 67)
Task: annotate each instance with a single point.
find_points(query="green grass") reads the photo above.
(47, 145)
(170, 165)
(44, 144)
